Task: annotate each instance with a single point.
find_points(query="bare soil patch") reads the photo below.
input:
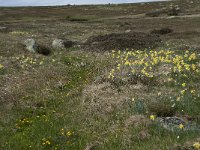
(162, 31)
(122, 41)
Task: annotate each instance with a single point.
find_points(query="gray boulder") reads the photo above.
(62, 44)
(31, 45)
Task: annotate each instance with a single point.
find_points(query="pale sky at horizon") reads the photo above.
(63, 2)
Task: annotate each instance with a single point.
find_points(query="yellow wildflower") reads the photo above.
(1, 66)
(183, 92)
(69, 133)
(127, 63)
(155, 61)
(159, 93)
(192, 91)
(118, 66)
(192, 57)
(187, 66)
(46, 141)
(152, 117)
(113, 55)
(181, 126)
(186, 55)
(41, 62)
(193, 66)
(196, 145)
(146, 64)
(178, 99)
(183, 84)
(111, 75)
(170, 79)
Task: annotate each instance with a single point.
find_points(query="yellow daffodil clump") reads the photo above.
(46, 141)
(181, 67)
(145, 62)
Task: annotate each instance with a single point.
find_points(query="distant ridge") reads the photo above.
(64, 2)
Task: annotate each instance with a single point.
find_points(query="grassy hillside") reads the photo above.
(114, 89)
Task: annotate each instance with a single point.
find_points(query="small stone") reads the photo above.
(3, 28)
(127, 31)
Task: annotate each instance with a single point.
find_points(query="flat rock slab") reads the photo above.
(173, 124)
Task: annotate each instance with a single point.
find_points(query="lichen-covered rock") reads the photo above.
(173, 124)
(31, 45)
(62, 44)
